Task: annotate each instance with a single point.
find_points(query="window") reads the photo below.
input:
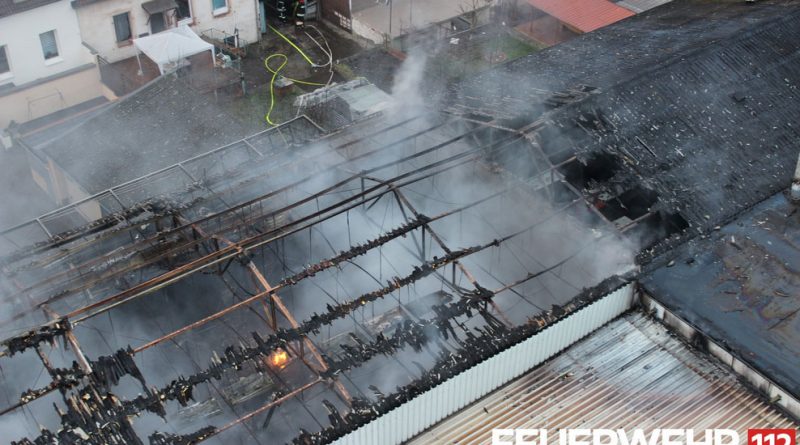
(4, 66)
(49, 45)
(184, 10)
(122, 27)
(157, 23)
(219, 6)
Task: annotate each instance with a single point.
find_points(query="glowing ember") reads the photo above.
(279, 358)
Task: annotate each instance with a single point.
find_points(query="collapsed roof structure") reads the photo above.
(278, 286)
(330, 278)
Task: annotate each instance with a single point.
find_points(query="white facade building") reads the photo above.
(44, 67)
(109, 26)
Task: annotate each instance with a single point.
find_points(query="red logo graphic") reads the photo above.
(771, 437)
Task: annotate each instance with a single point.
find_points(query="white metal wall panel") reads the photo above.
(413, 417)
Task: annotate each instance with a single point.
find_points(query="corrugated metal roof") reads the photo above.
(630, 374)
(585, 15)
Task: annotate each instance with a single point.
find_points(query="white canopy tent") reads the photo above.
(169, 47)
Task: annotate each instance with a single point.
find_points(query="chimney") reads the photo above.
(796, 183)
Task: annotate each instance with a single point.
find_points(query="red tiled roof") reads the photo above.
(585, 15)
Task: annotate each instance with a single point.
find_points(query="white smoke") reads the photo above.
(407, 90)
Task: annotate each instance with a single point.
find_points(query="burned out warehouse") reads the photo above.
(610, 210)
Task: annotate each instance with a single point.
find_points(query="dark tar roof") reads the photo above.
(163, 123)
(741, 287)
(697, 102)
(10, 7)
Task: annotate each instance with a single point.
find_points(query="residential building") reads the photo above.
(44, 67)
(109, 26)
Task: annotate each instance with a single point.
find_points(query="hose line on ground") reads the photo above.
(276, 73)
(289, 41)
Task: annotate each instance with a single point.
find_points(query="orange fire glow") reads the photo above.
(279, 358)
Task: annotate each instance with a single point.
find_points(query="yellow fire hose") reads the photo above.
(275, 73)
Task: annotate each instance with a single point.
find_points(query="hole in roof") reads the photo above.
(600, 168)
(656, 227)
